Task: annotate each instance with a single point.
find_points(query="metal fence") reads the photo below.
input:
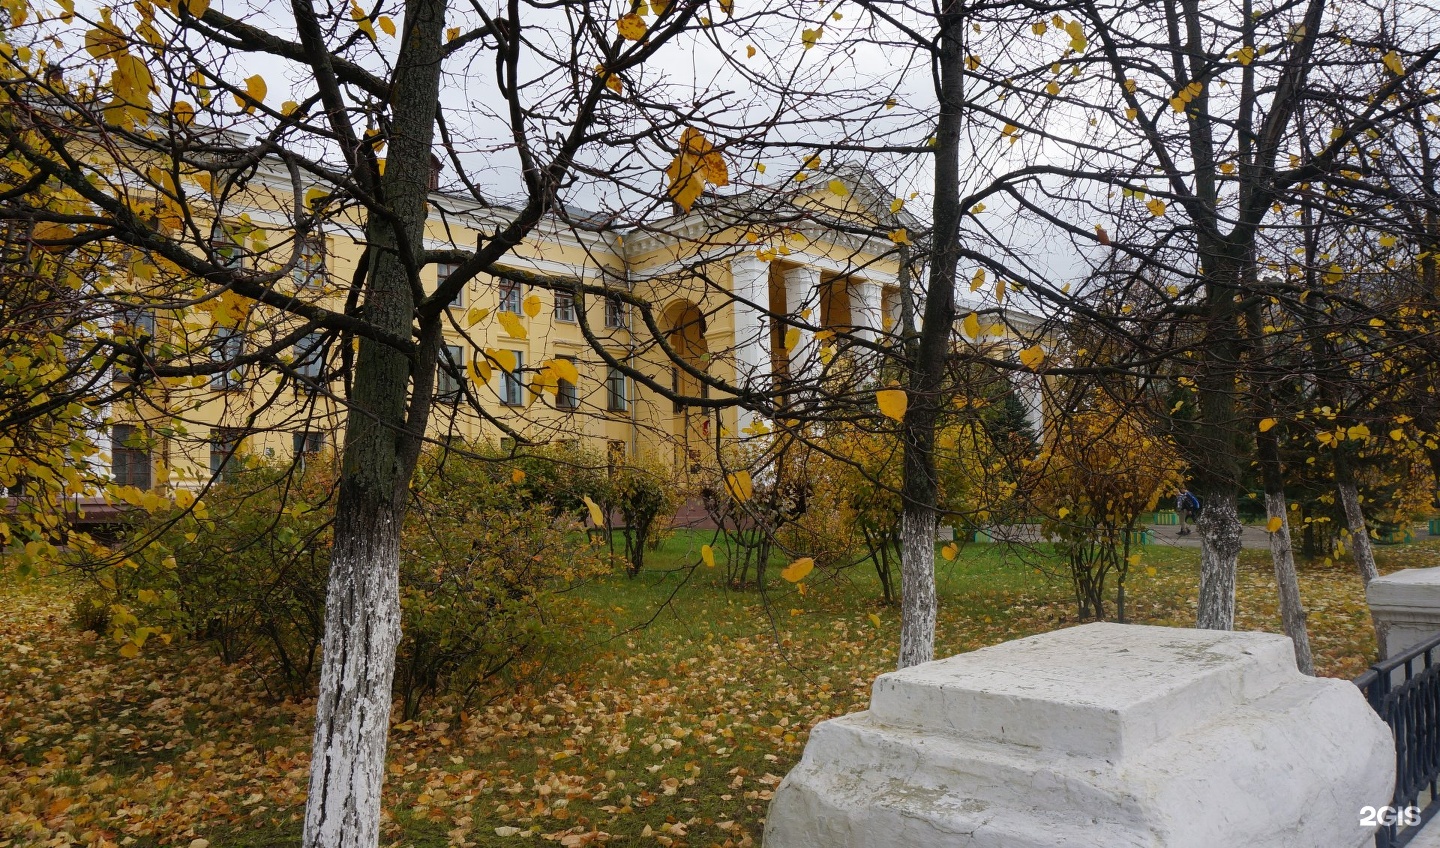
(1405, 691)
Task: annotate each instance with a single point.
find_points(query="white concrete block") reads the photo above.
(1102, 736)
(1406, 605)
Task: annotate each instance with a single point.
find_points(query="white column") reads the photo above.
(802, 292)
(750, 285)
(865, 308)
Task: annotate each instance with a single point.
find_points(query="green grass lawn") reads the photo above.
(665, 714)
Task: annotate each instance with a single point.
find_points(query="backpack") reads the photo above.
(1192, 502)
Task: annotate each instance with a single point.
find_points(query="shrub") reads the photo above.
(247, 573)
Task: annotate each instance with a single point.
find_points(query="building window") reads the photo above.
(136, 321)
(309, 355)
(225, 243)
(129, 456)
(224, 444)
(617, 391)
(309, 261)
(447, 381)
(565, 307)
(226, 347)
(617, 316)
(512, 383)
(510, 296)
(443, 272)
(307, 446)
(567, 394)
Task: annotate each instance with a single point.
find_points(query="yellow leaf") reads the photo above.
(874, 619)
(1032, 356)
(146, 596)
(749, 52)
(899, 236)
(971, 325)
(809, 37)
(837, 188)
(893, 403)
(596, 516)
(1156, 207)
(1053, 88)
(950, 551)
(1393, 63)
(184, 498)
(707, 554)
(797, 570)
(387, 24)
(361, 20)
(129, 650)
(631, 27)
(1397, 434)
(479, 370)
(1227, 167)
(1387, 240)
(565, 370)
(727, 6)
(1358, 432)
(1150, 570)
(255, 90)
(977, 280)
(504, 358)
(531, 305)
(1064, 511)
(614, 83)
(1266, 424)
(1273, 525)
(452, 33)
(517, 476)
(792, 338)
(740, 486)
(475, 316)
(896, 205)
(511, 322)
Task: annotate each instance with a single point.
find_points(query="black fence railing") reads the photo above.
(1405, 691)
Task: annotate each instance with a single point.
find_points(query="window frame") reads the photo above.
(617, 314)
(131, 466)
(564, 310)
(512, 384)
(448, 387)
(228, 345)
(567, 394)
(443, 270)
(511, 297)
(617, 390)
(220, 439)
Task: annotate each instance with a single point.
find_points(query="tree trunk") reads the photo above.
(1360, 546)
(352, 715)
(926, 357)
(1292, 611)
(1359, 533)
(388, 411)
(917, 588)
(1219, 530)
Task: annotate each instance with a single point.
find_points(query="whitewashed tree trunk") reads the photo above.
(352, 716)
(1360, 548)
(1359, 533)
(1219, 529)
(917, 587)
(1292, 611)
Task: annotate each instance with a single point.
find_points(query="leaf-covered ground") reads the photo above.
(671, 734)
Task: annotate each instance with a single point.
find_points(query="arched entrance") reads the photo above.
(690, 426)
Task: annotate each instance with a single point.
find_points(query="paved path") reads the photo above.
(1251, 536)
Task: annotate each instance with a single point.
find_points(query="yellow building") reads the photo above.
(717, 280)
